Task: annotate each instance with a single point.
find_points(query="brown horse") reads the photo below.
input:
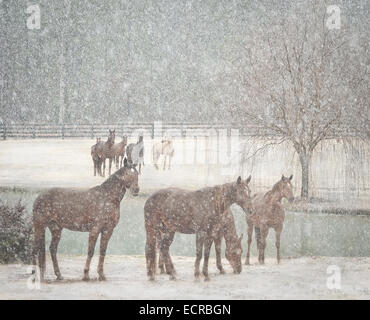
(233, 245)
(165, 148)
(119, 152)
(268, 212)
(95, 210)
(95, 157)
(104, 150)
(173, 210)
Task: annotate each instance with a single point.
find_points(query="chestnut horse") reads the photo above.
(164, 147)
(104, 150)
(268, 212)
(197, 212)
(95, 210)
(119, 152)
(233, 245)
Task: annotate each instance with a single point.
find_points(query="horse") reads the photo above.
(197, 212)
(119, 151)
(95, 210)
(164, 147)
(105, 150)
(135, 153)
(268, 212)
(233, 245)
(95, 157)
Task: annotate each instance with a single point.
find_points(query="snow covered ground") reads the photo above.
(302, 278)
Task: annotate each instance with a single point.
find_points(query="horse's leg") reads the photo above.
(258, 240)
(278, 230)
(93, 236)
(165, 247)
(116, 159)
(94, 161)
(110, 165)
(250, 233)
(103, 160)
(150, 251)
(56, 233)
(104, 239)
(218, 254)
(164, 162)
(207, 249)
(264, 233)
(199, 250)
(160, 261)
(39, 250)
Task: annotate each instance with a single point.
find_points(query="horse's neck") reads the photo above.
(223, 196)
(229, 231)
(274, 196)
(114, 188)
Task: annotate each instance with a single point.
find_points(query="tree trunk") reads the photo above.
(305, 160)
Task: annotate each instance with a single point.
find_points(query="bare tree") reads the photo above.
(301, 81)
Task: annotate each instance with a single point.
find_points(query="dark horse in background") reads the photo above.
(95, 210)
(104, 150)
(268, 212)
(95, 158)
(173, 210)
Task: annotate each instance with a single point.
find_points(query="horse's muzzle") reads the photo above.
(135, 191)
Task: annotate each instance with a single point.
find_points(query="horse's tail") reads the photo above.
(151, 243)
(38, 249)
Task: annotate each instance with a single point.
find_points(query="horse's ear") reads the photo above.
(282, 177)
(248, 179)
(239, 180)
(291, 177)
(125, 163)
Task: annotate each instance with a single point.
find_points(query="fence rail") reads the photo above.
(34, 130)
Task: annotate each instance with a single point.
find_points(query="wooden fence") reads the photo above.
(33, 130)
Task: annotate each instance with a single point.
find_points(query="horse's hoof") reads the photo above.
(172, 277)
(207, 278)
(102, 278)
(222, 271)
(59, 278)
(86, 278)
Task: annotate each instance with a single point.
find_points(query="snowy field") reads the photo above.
(302, 278)
(36, 164)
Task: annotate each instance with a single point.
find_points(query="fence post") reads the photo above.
(153, 130)
(62, 131)
(4, 132)
(92, 132)
(33, 132)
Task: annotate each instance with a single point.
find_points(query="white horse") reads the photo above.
(165, 148)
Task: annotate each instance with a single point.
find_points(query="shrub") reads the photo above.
(15, 234)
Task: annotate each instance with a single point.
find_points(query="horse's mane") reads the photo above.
(273, 190)
(111, 181)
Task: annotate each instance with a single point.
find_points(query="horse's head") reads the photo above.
(234, 254)
(242, 194)
(285, 188)
(130, 176)
(112, 136)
